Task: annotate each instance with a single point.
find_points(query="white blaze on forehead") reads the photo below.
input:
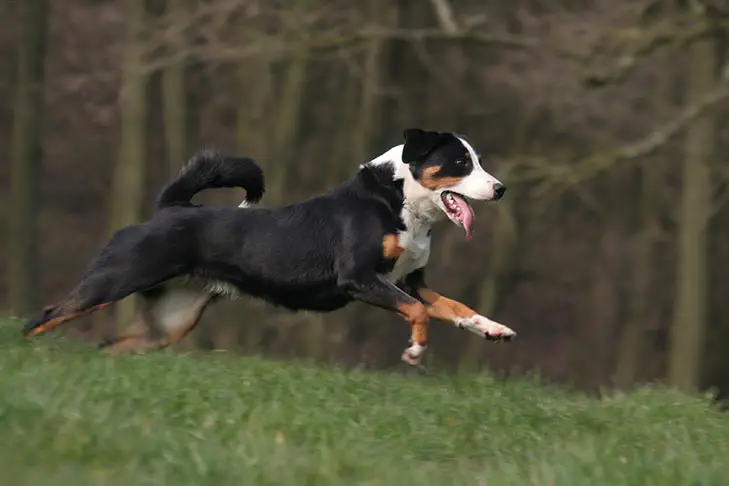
(479, 184)
(471, 151)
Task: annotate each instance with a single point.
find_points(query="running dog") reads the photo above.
(367, 239)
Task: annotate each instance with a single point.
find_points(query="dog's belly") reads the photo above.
(321, 296)
(320, 302)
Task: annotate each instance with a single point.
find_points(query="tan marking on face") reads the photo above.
(417, 316)
(430, 180)
(391, 248)
(440, 307)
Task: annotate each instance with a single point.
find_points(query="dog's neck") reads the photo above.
(419, 207)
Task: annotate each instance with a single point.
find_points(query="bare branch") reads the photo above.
(502, 40)
(641, 43)
(555, 177)
(445, 16)
(270, 34)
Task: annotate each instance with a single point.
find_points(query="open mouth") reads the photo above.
(458, 210)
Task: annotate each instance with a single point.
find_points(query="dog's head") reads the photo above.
(449, 170)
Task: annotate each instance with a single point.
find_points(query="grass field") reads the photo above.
(70, 415)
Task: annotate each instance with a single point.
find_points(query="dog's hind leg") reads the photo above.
(55, 315)
(139, 335)
(101, 287)
(168, 313)
(92, 294)
(135, 259)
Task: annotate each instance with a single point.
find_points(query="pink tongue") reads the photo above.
(466, 217)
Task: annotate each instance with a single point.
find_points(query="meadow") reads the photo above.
(72, 415)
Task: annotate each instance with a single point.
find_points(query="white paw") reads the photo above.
(414, 354)
(486, 328)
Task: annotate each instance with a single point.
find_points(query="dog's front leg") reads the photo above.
(443, 308)
(380, 293)
(464, 317)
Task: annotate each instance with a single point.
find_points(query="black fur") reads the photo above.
(413, 282)
(208, 170)
(424, 149)
(418, 143)
(319, 254)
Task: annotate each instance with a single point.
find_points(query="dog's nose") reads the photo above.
(499, 190)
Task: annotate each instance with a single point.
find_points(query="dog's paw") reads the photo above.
(486, 328)
(413, 355)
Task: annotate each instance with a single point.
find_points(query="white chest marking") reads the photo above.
(416, 243)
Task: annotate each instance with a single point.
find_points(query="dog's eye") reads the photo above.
(460, 162)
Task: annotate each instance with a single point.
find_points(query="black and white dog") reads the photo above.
(367, 239)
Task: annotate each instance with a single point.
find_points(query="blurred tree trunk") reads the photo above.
(129, 175)
(9, 62)
(633, 357)
(174, 96)
(254, 81)
(641, 314)
(27, 154)
(406, 91)
(381, 14)
(593, 338)
(288, 116)
(345, 125)
(286, 126)
(595, 343)
(689, 321)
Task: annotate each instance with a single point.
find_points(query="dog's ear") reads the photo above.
(418, 143)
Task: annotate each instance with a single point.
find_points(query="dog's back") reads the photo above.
(290, 255)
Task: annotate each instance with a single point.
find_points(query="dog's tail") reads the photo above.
(209, 169)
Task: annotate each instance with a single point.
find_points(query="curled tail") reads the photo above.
(209, 169)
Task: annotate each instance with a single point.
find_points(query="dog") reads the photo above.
(366, 240)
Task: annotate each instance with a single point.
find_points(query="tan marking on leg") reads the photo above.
(417, 316)
(440, 307)
(391, 248)
(464, 317)
(139, 336)
(57, 321)
(430, 180)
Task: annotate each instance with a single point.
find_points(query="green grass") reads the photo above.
(70, 415)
